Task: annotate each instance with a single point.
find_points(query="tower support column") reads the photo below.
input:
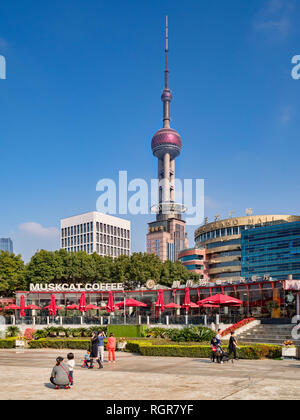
(172, 181)
(166, 194)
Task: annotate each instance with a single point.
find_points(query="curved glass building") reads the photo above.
(223, 245)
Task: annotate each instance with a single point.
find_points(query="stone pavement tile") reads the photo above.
(25, 375)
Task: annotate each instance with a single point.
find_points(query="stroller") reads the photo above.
(222, 355)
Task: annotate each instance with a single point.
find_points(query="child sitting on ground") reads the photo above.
(71, 363)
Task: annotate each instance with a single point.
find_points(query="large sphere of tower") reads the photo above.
(166, 140)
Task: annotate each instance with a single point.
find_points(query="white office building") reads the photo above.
(96, 232)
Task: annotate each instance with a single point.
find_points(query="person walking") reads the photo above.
(101, 336)
(60, 375)
(232, 345)
(94, 350)
(111, 347)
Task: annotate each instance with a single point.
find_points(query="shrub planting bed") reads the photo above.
(187, 334)
(127, 330)
(257, 351)
(8, 343)
(75, 344)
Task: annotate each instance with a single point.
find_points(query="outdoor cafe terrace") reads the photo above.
(263, 300)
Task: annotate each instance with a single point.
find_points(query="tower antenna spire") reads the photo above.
(167, 96)
(167, 53)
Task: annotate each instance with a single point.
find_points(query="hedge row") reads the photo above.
(257, 351)
(127, 330)
(8, 343)
(82, 344)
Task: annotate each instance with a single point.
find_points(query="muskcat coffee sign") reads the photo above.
(79, 287)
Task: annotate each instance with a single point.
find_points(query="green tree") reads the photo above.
(44, 267)
(12, 273)
(173, 271)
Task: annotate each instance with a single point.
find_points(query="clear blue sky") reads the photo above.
(82, 101)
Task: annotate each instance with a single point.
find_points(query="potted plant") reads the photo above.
(289, 350)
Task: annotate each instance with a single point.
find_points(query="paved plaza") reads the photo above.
(24, 374)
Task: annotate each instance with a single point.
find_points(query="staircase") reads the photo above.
(268, 333)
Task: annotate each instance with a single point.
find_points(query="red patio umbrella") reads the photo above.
(172, 306)
(22, 306)
(33, 307)
(90, 307)
(72, 307)
(82, 303)
(187, 304)
(52, 307)
(194, 305)
(222, 300)
(12, 306)
(131, 303)
(110, 304)
(160, 301)
(209, 305)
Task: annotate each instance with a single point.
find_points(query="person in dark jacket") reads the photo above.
(94, 350)
(232, 345)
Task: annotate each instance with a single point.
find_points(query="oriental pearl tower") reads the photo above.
(166, 236)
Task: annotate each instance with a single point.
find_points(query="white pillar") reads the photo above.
(81, 320)
(167, 319)
(33, 320)
(60, 320)
(205, 319)
(178, 303)
(166, 192)
(140, 319)
(148, 320)
(172, 181)
(186, 319)
(101, 320)
(48, 320)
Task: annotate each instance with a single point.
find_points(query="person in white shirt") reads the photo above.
(218, 336)
(71, 363)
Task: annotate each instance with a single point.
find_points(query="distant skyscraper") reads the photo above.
(6, 244)
(166, 236)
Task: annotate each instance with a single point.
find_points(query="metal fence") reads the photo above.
(163, 319)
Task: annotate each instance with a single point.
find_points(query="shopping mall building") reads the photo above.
(243, 247)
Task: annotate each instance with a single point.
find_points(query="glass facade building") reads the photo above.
(271, 250)
(6, 244)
